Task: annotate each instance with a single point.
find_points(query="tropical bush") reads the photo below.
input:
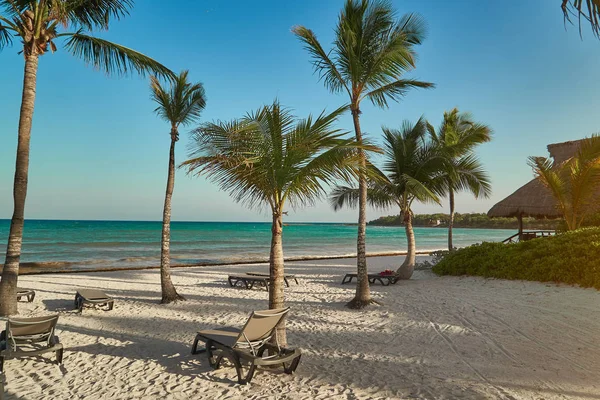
(571, 257)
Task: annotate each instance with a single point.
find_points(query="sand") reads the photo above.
(433, 338)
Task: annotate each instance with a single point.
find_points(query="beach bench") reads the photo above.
(29, 293)
(249, 281)
(93, 297)
(30, 337)
(248, 345)
(286, 277)
(385, 280)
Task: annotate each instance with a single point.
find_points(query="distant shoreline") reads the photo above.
(32, 268)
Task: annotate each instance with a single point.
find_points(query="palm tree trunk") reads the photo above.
(10, 273)
(451, 222)
(408, 266)
(362, 297)
(276, 271)
(169, 294)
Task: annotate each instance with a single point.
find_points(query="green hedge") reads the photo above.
(571, 257)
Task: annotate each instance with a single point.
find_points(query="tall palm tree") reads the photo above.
(413, 170)
(591, 13)
(371, 52)
(269, 158)
(181, 104)
(457, 138)
(575, 183)
(37, 25)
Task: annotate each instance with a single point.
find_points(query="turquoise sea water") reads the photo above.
(101, 244)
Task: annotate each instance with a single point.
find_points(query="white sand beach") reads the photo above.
(433, 338)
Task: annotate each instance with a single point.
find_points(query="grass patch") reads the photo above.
(571, 257)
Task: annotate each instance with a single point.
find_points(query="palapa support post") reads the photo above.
(520, 218)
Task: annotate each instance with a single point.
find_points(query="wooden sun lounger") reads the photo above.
(286, 277)
(29, 337)
(29, 293)
(248, 345)
(248, 281)
(385, 280)
(93, 297)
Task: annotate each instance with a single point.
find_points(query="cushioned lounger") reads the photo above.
(286, 277)
(248, 345)
(30, 337)
(248, 281)
(29, 293)
(385, 280)
(93, 297)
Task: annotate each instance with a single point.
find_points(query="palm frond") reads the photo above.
(112, 58)
(394, 91)
(182, 103)
(5, 35)
(470, 175)
(271, 157)
(91, 14)
(322, 64)
(590, 13)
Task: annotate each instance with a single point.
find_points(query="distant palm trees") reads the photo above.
(271, 159)
(412, 171)
(37, 25)
(181, 104)
(574, 183)
(457, 138)
(371, 52)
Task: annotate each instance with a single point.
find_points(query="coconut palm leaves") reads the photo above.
(588, 9)
(372, 50)
(413, 170)
(270, 158)
(574, 183)
(457, 138)
(38, 23)
(180, 104)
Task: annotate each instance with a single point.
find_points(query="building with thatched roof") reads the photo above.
(533, 199)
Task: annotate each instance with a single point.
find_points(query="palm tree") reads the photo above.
(371, 52)
(181, 104)
(268, 158)
(574, 183)
(590, 13)
(457, 137)
(413, 170)
(37, 23)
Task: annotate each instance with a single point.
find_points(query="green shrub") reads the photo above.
(571, 257)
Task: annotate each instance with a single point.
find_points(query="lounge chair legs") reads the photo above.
(195, 349)
(1, 364)
(290, 369)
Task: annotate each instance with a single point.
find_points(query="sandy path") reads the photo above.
(442, 338)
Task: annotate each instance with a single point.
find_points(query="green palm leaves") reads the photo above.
(574, 183)
(412, 170)
(180, 104)
(371, 51)
(270, 157)
(590, 13)
(37, 24)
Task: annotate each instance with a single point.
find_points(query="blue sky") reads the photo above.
(99, 152)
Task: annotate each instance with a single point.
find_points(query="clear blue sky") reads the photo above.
(99, 152)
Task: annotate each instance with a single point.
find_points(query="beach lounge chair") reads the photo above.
(93, 297)
(28, 337)
(286, 277)
(385, 280)
(248, 281)
(248, 345)
(29, 293)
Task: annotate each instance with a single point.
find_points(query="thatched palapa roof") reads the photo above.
(530, 200)
(533, 199)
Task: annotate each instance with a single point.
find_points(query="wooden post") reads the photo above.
(520, 218)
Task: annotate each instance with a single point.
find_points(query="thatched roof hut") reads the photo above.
(533, 199)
